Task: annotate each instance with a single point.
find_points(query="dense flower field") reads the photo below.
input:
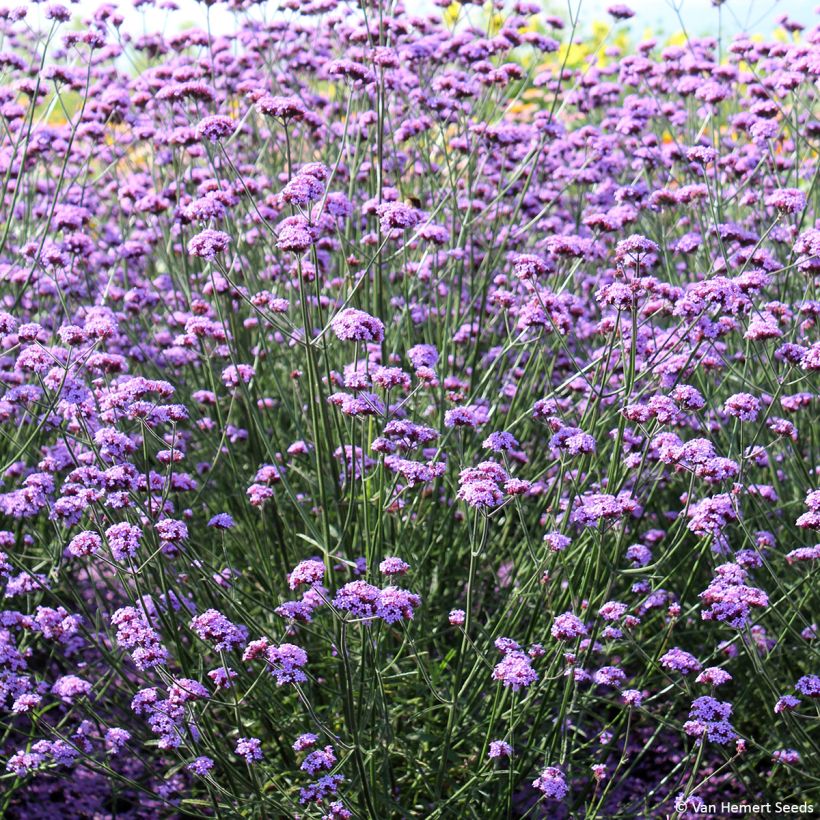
(406, 414)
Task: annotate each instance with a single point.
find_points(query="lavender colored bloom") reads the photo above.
(567, 627)
(507, 645)
(556, 541)
(552, 784)
(808, 685)
(515, 671)
(296, 611)
(321, 759)
(115, 740)
(250, 748)
(529, 266)
(70, 687)
(639, 555)
(393, 566)
(308, 572)
(634, 248)
(480, 493)
(457, 617)
(620, 11)
(208, 244)
(711, 515)
(202, 766)
(287, 661)
(25, 703)
(214, 627)
(713, 676)
(396, 216)
(85, 543)
(352, 70)
(729, 599)
(337, 811)
(325, 787)
(679, 661)
(470, 416)
(787, 200)
(786, 703)
(221, 521)
(295, 234)
(594, 507)
(397, 604)
(356, 325)
(22, 763)
(222, 677)
(481, 486)
(612, 611)
(709, 718)
(304, 741)
(124, 540)
(609, 676)
(215, 128)
(302, 190)
(135, 633)
(423, 356)
(282, 107)
(632, 697)
(743, 406)
(359, 598)
(499, 749)
(500, 442)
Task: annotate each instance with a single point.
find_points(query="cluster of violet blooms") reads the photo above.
(406, 413)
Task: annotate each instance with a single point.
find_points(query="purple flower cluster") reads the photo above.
(709, 719)
(137, 635)
(728, 598)
(515, 668)
(214, 627)
(552, 784)
(352, 325)
(363, 600)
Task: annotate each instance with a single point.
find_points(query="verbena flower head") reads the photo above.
(215, 128)
(250, 748)
(287, 661)
(552, 784)
(393, 566)
(457, 617)
(360, 599)
(713, 676)
(567, 627)
(499, 749)
(709, 720)
(809, 686)
(680, 661)
(208, 244)
(201, 766)
(308, 572)
(214, 627)
(351, 324)
(515, 671)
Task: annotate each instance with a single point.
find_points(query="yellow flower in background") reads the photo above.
(496, 21)
(523, 108)
(572, 54)
(451, 13)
